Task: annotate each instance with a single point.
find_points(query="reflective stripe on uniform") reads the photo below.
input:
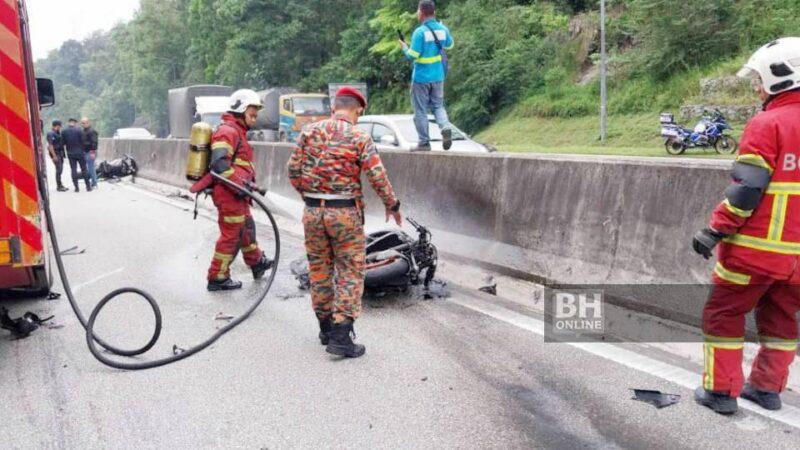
(228, 173)
(783, 187)
(738, 211)
(754, 160)
(233, 219)
(713, 343)
(773, 343)
(242, 163)
(222, 144)
(413, 53)
(778, 219)
(431, 60)
(731, 276)
(767, 245)
(250, 248)
(225, 262)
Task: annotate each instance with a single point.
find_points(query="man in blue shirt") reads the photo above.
(428, 45)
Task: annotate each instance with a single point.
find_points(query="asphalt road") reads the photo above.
(437, 373)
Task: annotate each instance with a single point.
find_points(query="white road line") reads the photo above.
(788, 415)
(96, 279)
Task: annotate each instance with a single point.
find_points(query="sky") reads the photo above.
(56, 21)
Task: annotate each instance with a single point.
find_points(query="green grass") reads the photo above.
(629, 135)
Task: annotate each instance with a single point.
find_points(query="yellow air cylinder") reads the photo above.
(199, 151)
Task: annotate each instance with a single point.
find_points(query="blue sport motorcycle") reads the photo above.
(709, 132)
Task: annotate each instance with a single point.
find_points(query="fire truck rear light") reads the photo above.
(10, 251)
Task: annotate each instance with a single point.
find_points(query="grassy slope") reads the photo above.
(632, 135)
(533, 126)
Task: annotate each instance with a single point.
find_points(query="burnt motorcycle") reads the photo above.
(395, 261)
(117, 168)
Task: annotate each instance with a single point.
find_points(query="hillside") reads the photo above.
(523, 72)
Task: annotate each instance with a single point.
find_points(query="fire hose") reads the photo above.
(94, 342)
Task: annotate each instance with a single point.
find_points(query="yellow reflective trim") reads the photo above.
(223, 256)
(782, 347)
(708, 376)
(233, 219)
(242, 163)
(767, 245)
(754, 160)
(250, 248)
(228, 173)
(710, 338)
(778, 219)
(731, 276)
(222, 144)
(784, 187)
(413, 53)
(737, 211)
(773, 343)
(431, 60)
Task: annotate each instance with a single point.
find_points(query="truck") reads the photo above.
(23, 183)
(191, 104)
(286, 111)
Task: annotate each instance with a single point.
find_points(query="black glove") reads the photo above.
(705, 240)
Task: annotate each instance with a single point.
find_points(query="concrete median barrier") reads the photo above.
(549, 218)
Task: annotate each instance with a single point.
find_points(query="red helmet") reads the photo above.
(348, 91)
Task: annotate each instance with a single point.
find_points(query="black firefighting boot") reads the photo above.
(224, 285)
(325, 326)
(61, 187)
(719, 403)
(447, 138)
(261, 267)
(765, 399)
(341, 344)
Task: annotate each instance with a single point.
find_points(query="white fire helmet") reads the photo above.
(777, 64)
(243, 98)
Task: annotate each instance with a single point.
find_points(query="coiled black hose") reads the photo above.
(93, 341)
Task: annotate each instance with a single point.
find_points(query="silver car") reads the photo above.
(397, 131)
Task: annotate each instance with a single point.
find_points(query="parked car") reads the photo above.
(398, 132)
(133, 133)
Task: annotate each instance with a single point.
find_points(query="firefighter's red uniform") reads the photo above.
(758, 260)
(236, 225)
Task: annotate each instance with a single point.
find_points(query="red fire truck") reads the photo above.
(23, 250)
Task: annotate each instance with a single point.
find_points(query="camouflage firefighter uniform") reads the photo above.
(326, 168)
(236, 225)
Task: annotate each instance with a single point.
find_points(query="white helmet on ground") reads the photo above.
(243, 98)
(778, 65)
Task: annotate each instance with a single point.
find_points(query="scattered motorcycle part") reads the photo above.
(655, 398)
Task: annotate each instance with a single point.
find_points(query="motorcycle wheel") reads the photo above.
(726, 145)
(393, 274)
(675, 147)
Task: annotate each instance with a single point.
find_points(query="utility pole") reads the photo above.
(603, 70)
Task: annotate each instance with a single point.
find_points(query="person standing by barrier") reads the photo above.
(55, 147)
(325, 168)
(758, 234)
(90, 143)
(74, 142)
(429, 43)
(232, 158)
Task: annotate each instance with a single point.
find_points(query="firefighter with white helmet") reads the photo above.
(756, 230)
(232, 158)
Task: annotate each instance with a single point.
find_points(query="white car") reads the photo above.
(133, 133)
(397, 131)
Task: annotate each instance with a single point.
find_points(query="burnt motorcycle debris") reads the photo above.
(117, 168)
(23, 326)
(395, 262)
